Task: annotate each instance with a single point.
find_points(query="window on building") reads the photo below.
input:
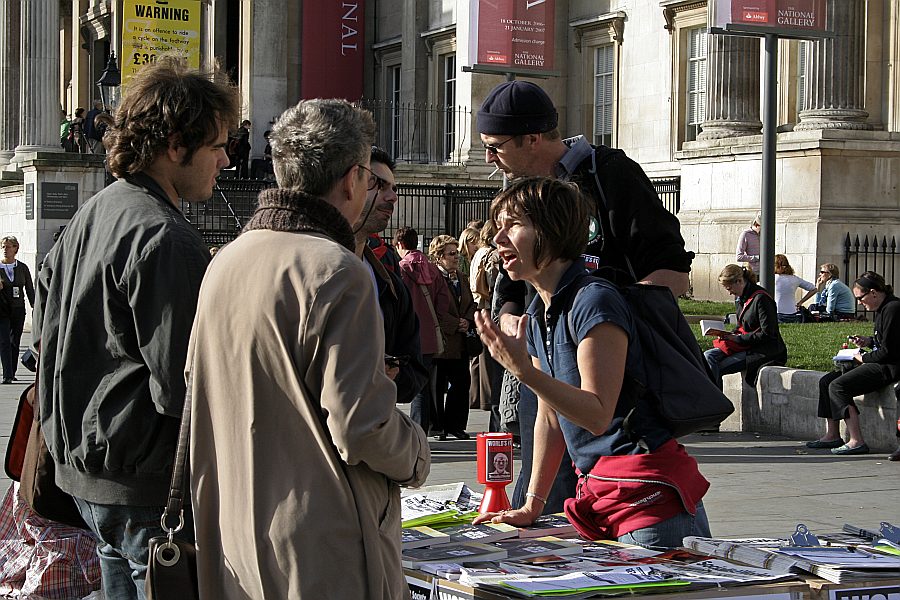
(393, 88)
(802, 50)
(448, 100)
(604, 89)
(696, 82)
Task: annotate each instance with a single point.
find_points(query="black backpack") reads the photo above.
(677, 383)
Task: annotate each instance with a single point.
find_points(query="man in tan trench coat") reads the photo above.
(297, 448)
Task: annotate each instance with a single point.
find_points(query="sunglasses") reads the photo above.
(495, 148)
(858, 298)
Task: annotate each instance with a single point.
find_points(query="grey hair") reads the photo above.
(316, 142)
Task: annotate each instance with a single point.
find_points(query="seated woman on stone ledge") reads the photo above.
(757, 340)
(867, 372)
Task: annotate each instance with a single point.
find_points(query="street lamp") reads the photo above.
(109, 83)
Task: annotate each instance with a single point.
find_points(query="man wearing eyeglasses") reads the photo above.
(834, 300)
(401, 327)
(633, 238)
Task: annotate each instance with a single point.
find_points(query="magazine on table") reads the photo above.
(518, 549)
(554, 524)
(451, 553)
(483, 532)
(418, 537)
(448, 504)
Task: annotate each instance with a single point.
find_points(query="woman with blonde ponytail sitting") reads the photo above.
(756, 341)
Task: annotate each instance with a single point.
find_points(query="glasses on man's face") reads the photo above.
(374, 180)
(859, 298)
(495, 148)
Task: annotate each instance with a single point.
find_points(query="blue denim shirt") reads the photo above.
(577, 306)
(836, 297)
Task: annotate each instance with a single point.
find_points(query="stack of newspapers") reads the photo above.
(840, 558)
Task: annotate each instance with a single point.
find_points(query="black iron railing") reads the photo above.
(431, 209)
(221, 218)
(875, 254)
(669, 190)
(420, 133)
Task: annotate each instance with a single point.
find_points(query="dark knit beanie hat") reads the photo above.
(516, 108)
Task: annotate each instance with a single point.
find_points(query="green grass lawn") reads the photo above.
(701, 307)
(810, 345)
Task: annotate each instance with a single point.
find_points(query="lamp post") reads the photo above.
(109, 83)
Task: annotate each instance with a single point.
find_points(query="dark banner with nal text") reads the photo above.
(333, 47)
(518, 34)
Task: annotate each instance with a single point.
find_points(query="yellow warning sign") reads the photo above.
(150, 29)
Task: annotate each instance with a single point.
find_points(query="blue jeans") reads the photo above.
(123, 537)
(671, 532)
(723, 364)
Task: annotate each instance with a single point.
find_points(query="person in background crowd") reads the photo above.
(786, 284)
(242, 150)
(834, 300)
(485, 267)
(748, 245)
(297, 450)
(867, 372)
(15, 285)
(431, 300)
(115, 302)
(468, 245)
(401, 327)
(636, 483)
(90, 128)
(452, 378)
(757, 341)
(632, 237)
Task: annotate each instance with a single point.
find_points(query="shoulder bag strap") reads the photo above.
(173, 515)
(427, 295)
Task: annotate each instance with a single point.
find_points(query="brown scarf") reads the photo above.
(293, 210)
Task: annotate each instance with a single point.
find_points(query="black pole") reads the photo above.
(769, 147)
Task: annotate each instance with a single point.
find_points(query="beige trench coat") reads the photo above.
(296, 444)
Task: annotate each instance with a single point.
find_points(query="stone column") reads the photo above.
(39, 91)
(834, 72)
(732, 88)
(9, 79)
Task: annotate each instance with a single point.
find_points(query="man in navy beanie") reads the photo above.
(633, 238)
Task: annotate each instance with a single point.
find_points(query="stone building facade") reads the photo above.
(642, 75)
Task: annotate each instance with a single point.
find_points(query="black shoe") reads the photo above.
(460, 435)
(7, 380)
(895, 455)
(825, 443)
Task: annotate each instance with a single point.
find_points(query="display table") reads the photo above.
(424, 586)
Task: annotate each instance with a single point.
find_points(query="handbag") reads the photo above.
(172, 568)
(29, 462)
(438, 333)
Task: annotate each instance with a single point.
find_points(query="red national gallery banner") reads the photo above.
(333, 46)
(809, 15)
(518, 34)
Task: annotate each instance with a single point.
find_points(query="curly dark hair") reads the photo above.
(169, 102)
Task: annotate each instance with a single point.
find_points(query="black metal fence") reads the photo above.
(431, 209)
(420, 133)
(221, 218)
(669, 190)
(875, 254)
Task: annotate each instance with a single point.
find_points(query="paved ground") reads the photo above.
(761, 484)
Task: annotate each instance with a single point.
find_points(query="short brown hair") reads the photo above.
(832, 269)
(558, 210)
(438, 244)
(406, 237)
(167, 100)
